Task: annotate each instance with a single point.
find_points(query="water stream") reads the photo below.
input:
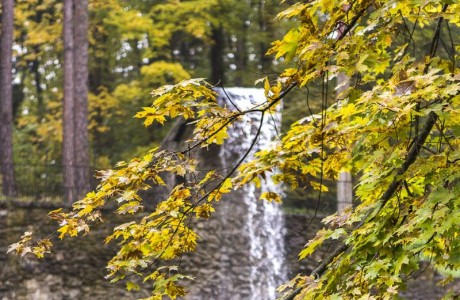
(263, 221)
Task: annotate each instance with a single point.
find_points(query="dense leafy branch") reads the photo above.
(389, 193)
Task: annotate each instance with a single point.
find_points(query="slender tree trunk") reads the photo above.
(6, 96)
(265, 27)
(68, 147)
(38, 89)
(36, 70)
(81, 97)
(217, 56)
(138, 57)
(100, 73)
(241, 55)
(18, 93)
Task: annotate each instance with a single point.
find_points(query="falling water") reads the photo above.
(263, 221)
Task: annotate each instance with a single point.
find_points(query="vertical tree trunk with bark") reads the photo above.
(265, 27)
(68, 146)
(217, 56)
(81, 97)
(38, 88)
(35, 68)
(241, 55)
(6, 96)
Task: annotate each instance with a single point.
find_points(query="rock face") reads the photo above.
(75, 270)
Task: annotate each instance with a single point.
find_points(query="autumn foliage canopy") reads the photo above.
(396, 127)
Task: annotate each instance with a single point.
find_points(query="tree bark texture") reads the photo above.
(81, 96)
(75, 139)
(217, 56)
(68, 146)
(6, 94)
(264, 26)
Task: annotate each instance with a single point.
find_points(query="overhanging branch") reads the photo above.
(411, 157)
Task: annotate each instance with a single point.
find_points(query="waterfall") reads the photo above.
(262, 221)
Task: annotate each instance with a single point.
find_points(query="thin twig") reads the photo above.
(229, 98)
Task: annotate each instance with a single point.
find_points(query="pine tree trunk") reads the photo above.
(6, 98)
(217, 56)
(68, 146)
(81, 97)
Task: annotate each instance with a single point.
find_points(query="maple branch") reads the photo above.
(282, 94)
(411, 156)
(452, 44)
(202, 198)
(387, 195)
(437, 34)
(411, 34)
(431, 53)
(235, 167)
(242, 113)
(353, 22)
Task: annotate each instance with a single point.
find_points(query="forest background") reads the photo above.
(133, 48)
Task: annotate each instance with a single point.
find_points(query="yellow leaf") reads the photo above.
(132, 286)
(271, 196)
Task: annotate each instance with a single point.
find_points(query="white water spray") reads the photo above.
(264, 223)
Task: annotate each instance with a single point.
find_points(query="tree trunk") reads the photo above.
(100, 73)
(6, 96)
(38, 89)
(217, 56)
(68, 146)
(264, 27)
(81, 97)
(241, 58)
(36, 70)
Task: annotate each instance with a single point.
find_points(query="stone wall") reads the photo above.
(76, 269)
